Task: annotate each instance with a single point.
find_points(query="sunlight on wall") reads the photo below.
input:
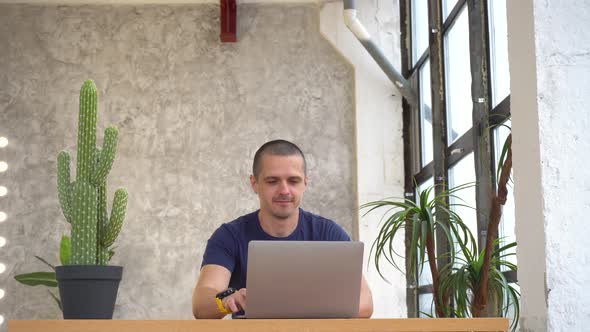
(3, 192)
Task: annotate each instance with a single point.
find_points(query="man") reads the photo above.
(279, 177)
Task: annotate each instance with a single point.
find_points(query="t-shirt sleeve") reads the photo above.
(335, 232)
(221, 249)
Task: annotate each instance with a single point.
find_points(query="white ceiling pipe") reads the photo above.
(357, 28)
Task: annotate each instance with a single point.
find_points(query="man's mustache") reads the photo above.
(283, 199)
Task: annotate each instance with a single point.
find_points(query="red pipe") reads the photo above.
(228, 21)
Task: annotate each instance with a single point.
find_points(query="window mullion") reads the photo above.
(409, 144)
(479, 46)
(438, 118)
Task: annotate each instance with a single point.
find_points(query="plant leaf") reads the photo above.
(44, 261)
(111, 253)
(56, 300)
(65, 250)
(37, 278)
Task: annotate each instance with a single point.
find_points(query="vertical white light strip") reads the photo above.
(3, 192)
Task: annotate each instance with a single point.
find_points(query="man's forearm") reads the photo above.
(204, 305)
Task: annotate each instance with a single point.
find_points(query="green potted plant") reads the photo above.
(87, 285)
(462, 282)
(462, 286)
(420, 219)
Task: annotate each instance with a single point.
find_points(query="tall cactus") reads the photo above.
(83, 201)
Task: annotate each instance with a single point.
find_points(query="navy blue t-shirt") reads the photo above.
(228, 246)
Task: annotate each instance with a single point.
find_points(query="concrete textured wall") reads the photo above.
(550, 58)
(379, 140)
(191, 112)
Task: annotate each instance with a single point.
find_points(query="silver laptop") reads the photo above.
(303, 279)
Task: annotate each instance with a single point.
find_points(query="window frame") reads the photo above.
(478, 139)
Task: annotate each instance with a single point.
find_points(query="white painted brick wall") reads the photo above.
(552, 154)
(562, 43)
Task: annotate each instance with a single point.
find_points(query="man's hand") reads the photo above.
(235, 302)
(212, 280)
(366, 303)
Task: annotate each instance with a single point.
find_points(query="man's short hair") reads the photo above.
(277, 147)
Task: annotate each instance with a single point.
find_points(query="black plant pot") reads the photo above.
(88, 291)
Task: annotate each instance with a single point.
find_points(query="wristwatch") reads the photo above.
(220, 296)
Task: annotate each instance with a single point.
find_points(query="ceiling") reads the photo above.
(154, 1)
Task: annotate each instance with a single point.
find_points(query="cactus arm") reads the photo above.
(102, 223)
(63, 185)
(102, 209)
(102, 214)
(87, 131)
(117, 218)
(84, 225)
(107, 155)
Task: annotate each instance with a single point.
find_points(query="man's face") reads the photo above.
(280, 184)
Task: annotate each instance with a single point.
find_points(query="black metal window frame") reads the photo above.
(477, 140)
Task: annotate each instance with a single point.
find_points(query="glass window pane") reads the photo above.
(498, 51)
(448, 6)
(507, 228)
(425, 114)
(425, 305)
(419, 28)
(461, 173)
(424, 278)
(458, 78)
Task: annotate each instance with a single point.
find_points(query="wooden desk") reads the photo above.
(255, 325)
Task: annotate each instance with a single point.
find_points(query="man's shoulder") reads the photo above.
(315, 218)
(239, 223)
(324, 228)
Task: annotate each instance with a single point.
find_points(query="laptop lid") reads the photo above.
(304, 279)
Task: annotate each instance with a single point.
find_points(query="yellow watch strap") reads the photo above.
(221, 307)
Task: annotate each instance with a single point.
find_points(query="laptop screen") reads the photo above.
(304, 279)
